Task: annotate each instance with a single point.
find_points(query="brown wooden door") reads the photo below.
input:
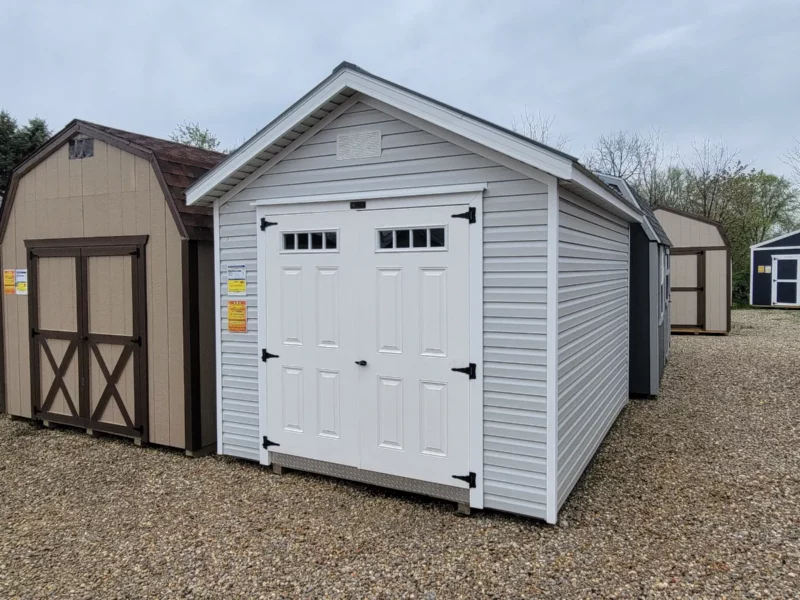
(687, 273)
(88, 358)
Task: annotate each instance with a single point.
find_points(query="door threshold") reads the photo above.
(394, 482)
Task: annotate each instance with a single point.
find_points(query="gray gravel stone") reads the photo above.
(695, 494)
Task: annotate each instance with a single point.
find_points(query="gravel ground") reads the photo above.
(695, 494)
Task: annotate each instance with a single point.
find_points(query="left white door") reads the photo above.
(311, 325)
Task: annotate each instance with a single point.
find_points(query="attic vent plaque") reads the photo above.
(362, 144)
(81, 147)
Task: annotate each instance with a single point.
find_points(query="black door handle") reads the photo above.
(363, 363)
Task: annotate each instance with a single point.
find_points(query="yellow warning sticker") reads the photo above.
(237, 316)
(237, 280)
(21, 282)
(760, 268)
(9, 281)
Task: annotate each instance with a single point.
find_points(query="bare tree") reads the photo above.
(539, 128)
(618, 154)
(792, 158)
(710, 170)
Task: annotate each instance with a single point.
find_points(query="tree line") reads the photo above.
(710, 179)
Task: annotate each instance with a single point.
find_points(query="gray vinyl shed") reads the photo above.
(433, 303)
(649, 298)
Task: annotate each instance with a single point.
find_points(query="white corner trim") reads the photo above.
(288, 150)
(552, 351)
(752, 279)
(376, 194)
(771, 248)
(218, 325)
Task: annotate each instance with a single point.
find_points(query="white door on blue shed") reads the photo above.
(785, 280)
(367, 334)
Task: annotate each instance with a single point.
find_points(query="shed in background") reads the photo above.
(649, 295)
(107, 309)
(775, 272)
(700, 272)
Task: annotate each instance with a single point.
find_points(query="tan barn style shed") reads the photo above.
(700, 272)
(107, 308)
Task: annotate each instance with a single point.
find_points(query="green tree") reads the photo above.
(18, 142)
(192, 134)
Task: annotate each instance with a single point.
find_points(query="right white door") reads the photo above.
(414, 330)
(785, 276)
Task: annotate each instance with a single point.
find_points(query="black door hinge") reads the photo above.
(265, 356)
(266, 443)
(470, 370)
(469, 215)
(470, 479)
(265, 223)
(358, 204)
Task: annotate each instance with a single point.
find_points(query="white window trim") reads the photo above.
(473, 196)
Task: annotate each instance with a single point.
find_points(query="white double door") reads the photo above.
(368, 314)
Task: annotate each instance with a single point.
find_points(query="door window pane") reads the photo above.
(420, 238)
(402, 238)
(386, 239)
(787, 269)
(288, 241)
(330, 240)
(437, 237)
(302, 241)
(316, 240)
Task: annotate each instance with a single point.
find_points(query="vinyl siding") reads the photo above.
(515, 217)
(592, 333)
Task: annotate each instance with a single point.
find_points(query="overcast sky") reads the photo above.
(728, 69)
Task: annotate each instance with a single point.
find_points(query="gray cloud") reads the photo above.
(727, 69)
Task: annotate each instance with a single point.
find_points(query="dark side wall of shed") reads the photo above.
(761, 283)
(639, 340)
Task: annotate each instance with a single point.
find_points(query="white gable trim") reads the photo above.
(775, 239)
(504, 144)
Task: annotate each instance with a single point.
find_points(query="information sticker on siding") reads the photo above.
(9, 282)
(237, 280)
(21, 282)
(760, 268)
(237, 316)
(362, 144)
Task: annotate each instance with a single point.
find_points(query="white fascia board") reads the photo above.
(457, 123)
(480, 133)
(606, 196)
(265, 138)
(780, 237)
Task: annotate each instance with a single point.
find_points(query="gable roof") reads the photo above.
(700, 218)
(653, 226)
(176, 166)
(788, 243)
(343, 87)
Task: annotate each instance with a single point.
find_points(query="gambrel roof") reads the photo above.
(344, 86)
(177, 166)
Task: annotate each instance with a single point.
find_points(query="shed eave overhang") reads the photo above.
(347, 80)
